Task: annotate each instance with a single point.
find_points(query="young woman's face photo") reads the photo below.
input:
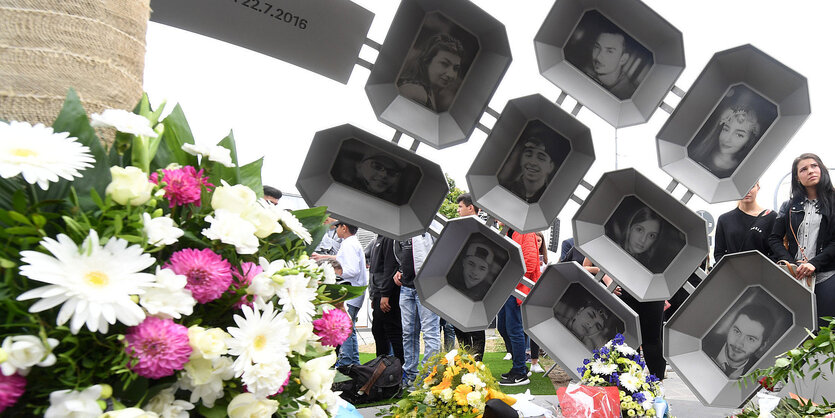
(586, 322)
(642, 236)
(377, 177)
(733, 136)
(475, 270)
(443, 69)
(536, 164)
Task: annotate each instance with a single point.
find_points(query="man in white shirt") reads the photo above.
(352, 258)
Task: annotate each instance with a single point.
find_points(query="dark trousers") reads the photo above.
(472, 342)
(825, 298)
(651, 315)
(387, 328)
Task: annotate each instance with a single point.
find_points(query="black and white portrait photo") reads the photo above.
(586, 317)
(644, 234)
(375, 172)
(731, 131)
(477, 266)
(536, 156)
(747, 330)
(608, 55)
(437, 63)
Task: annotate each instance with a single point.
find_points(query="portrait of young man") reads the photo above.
(537, 155)
(375, 172)
(746, 341)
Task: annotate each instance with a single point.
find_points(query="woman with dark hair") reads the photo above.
(640, 235)
(729, 141)
(806, 225)
(434, 79)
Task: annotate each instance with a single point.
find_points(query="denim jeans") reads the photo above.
(417, 318)
(449, 335)
(511, 325)
(350, 351)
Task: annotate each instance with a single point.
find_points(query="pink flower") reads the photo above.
(11, 387)
(334, 327)
(183, 185)
(243, 278)
(208, 274)
(160, 346)
(281, 389)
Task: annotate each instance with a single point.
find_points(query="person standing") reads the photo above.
(745, 228)
(386, 323)
(473, 342)
(806, 224)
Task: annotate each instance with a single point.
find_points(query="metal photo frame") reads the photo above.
(437, 289)
(331, 176)
(456, 122)
(540, 320)
(688, 332)
(638, 23)
(485, 177)
(602, 204)
(748, 67)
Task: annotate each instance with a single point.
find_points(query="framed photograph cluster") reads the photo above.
(746, 312)
(618, 58)
(469, 274)
(371, 182)
(569, 314)
(440, 64)
(739, 114)
(532, 161)
(640, 235)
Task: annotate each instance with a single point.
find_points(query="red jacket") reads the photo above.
(530, 253)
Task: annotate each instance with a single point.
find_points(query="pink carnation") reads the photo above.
(160, 346)
(334, 327)
(243, 278)
(208, 274)
(183, 185)
(11, 387)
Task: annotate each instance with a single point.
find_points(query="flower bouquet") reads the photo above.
(617, 364)
(151, 278)
(452, 385)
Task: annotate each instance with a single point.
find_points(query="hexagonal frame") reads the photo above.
(637, 20)
(318, 187)
(441, 297)
(715, 296)
(768, 77)
(557, 340)
(590, 237)
(503, 204)
(438, 130)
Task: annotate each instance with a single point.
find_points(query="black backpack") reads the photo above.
(374, 381)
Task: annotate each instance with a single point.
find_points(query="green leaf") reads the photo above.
(251, 176)
(218, 411)
(232, 175)
(177, 133)
(7, 190)
(17, 217)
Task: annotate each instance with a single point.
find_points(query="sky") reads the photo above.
(274, 108)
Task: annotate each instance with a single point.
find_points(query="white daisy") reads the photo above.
(123, 121)
(94, 283)
(40, 154)
(599, 367)
(626, 350)
(260, 337)
(630, 381)
(294, 294)
(294, 225)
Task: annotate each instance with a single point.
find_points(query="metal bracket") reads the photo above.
(519, 295)
(665, 107)
(483, 128)
(576, 109)
(396, 137)
(492, 112)
(372, 44)
(577, 199)
(586, 184)
(364, 63)
(677, 91)
(415, 144)
(687, 196)
(562, 97)
(672, 186)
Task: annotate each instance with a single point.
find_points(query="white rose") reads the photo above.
(25, 351)
(167, 406)
(246, 405)
(130, 186)
(160, 231)
(129, 413)
(299, 334)
(264, 219)
(236, 199)
(207, 343)
(316, 375)
(230, 228)
(67, 403)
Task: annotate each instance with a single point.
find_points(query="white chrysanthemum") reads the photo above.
(168, 298)
(167, 406)
(265, 379)
(230, 228)
(446, 394)
(630, 381)
(473, 380)
(294, 294)
(260, 337)
(94, 283)
(599, 367)
(204, 379)
(626, 350)
(160, 231)
(67, 403)
(123, 121)
(329, 273)
(294, 225)
(215, 153)
(40, 154)
(22, 352)
(474, 399)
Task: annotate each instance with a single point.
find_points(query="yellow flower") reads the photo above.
(461, 393)
(445, 384)
(431, 375)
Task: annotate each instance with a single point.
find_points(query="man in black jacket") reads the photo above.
(385, 299)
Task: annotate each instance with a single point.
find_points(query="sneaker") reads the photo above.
(514, 380)
(536, 368)
(508, 356)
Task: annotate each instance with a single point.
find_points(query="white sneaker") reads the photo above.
(508, 356)
(536, 368)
